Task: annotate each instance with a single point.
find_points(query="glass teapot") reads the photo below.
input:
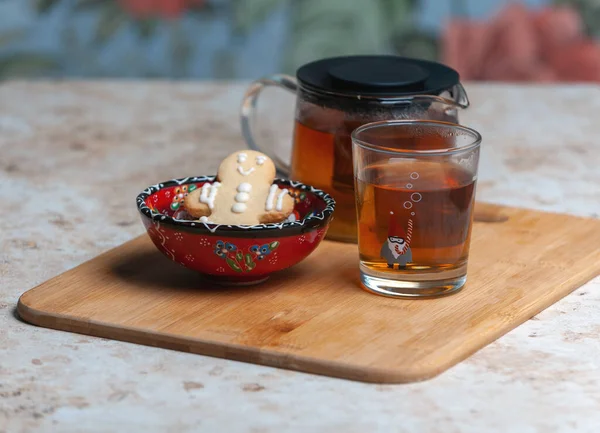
(337, 95)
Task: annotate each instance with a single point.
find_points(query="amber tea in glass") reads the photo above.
(415, 191)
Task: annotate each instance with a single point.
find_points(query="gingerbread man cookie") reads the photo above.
(243, 193)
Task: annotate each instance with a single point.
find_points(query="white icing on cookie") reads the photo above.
(204, 193)
(282, 194)
(260, 159)
(238, 207)
(244, 172)
(241, 157)
(242, 197)
(208, 194)
(271, 197)
(204, 219)
(244, 187)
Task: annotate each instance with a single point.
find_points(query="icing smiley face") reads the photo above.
(248, 164)
(244, 193)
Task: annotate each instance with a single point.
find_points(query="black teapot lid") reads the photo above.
(377, 76)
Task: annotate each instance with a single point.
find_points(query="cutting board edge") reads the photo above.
(367, 374)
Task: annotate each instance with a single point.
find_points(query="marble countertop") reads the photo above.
(73, 155)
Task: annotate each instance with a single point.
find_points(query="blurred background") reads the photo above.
(491, 40)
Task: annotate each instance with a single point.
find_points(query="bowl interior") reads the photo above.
(168, 200)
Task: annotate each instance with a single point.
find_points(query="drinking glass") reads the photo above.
(415, 191)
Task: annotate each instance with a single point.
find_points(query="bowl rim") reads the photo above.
(313, 221)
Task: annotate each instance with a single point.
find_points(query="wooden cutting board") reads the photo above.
(314, 317)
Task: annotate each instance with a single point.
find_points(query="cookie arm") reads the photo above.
(194, 206)
(282, 207)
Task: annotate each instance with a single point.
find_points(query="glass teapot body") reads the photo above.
(330, 105)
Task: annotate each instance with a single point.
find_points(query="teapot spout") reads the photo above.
(458, 94)
(451, 99)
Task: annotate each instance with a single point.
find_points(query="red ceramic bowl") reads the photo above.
(231, 254)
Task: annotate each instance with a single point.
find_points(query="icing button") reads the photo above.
(238, 208)
(242, 197)
(244, 187)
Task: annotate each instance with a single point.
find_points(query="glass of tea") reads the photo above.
(335, 96)
(415, 191)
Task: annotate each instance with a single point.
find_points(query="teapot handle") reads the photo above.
(248, 109)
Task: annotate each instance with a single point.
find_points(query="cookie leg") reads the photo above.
(194, 206)
(277, 216)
